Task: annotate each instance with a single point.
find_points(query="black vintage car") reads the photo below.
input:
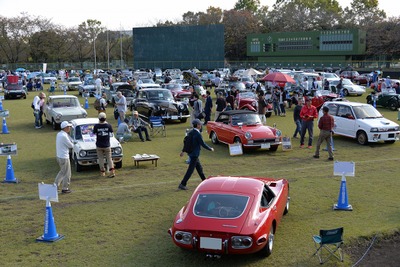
(389, 99)
(14, 91)
(159, 102)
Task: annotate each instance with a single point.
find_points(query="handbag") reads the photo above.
(116, 114)
(201, 116)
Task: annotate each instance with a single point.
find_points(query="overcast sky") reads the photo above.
(127, 14)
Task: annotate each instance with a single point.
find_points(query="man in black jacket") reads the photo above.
(194, 155)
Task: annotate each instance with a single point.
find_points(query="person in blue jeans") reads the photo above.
(296, 116)
(194, 163)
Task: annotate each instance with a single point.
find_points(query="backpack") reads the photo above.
(188, 142)
(97, 104)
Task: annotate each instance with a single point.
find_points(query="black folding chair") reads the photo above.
(157, 125)
(328, 243)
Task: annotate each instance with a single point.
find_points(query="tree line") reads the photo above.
(27, 38)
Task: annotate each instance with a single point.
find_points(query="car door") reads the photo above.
(345, 122)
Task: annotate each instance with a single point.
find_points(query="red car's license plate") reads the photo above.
(211, 243)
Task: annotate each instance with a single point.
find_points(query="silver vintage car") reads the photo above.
(59, 108)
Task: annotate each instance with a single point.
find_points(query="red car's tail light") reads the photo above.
(241, 242)
(183, 237)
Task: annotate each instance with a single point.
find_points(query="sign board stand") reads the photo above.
(49, 193)
(343, 169)
(235, 149)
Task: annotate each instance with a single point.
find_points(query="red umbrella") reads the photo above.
(278, 77)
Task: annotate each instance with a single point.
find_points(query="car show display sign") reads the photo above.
(4, 113)
(344, 168)
(286, 144)
(8, 149)
(235, 149)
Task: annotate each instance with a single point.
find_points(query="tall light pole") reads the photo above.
(120, 38)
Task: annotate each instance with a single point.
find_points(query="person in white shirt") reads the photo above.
(63, 145)
(98, 83)
(121, 106)
(37, 105)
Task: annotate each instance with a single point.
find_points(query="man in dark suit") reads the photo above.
(194, 155)
(208, 108)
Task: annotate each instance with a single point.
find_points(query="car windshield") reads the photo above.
(65, 103)
(347, 82)
(160, 95)
(246, 119)
(366, 112)
(247, 95)
(85, 133)
(224, 206)
(74, 79)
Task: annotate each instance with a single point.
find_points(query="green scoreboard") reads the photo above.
(314, 43)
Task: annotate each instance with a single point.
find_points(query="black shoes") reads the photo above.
(148, 139)
(182, 187)
(330, 158)
(66, 191)
(142, 140)
(316, 156)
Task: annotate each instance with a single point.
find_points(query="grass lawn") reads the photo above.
(124, 221)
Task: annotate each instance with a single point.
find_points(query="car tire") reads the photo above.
(214, 138)
(184, 120)
(54, 125)
(267, 250)
(118, 165)
(77, 166)
(362, 138)
(287, 204)
(393, 105)
(345, 92)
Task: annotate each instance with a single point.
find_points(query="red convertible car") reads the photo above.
(245, 127)
(232, 215)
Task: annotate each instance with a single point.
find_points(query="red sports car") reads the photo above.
(245, 127)
(232, 215)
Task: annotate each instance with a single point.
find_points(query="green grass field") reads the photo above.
(124, 221)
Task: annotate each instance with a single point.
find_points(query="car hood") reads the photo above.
(166, 104)
(355, 88)
(90, 143)
(257, 131)
(68, 111)
(379, 122)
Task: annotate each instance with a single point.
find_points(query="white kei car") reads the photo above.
(362, 122)
(84, 151)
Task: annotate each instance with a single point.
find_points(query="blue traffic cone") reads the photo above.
(86, 103)
(5, 129)
(1, 105)
(343, 203)
(10, 178)
(50, 231)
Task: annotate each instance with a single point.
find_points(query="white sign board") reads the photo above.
(4, 113)
(8, 149)
(48, 192)
(235, 149)
(286, 144)
(345, 168)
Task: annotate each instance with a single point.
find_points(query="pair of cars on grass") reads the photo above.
(232, 215)
(362, 122)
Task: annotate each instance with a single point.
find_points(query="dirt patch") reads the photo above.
(379, 251)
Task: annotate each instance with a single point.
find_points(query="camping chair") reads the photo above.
(157, 125)
(331, 241)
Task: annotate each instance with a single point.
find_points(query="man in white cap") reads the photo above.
(63, 145)
(138, 126)
(103, 131)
